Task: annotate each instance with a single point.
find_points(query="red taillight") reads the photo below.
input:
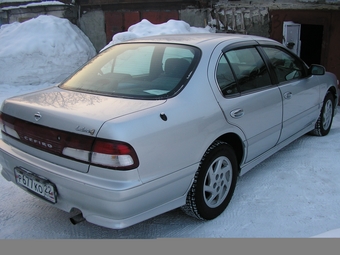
(96, 151)
(105, 153)
(110, 147)
(114, 154)
(6, 127)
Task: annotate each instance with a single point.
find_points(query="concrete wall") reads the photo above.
(195, 17)
(245, 20)
(252, 17)
(93, 25)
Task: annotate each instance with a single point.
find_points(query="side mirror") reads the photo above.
(317, 70)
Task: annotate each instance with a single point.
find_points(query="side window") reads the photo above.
(286, 66)
(225, 77)
(249, 68)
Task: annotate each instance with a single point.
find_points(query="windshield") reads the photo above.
(137, 70)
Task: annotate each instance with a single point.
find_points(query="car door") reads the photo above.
(300, 92)
(250, 101)
(291, 36)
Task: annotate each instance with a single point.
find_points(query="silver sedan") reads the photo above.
(162, 122)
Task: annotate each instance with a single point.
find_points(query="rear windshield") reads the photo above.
(143, 71)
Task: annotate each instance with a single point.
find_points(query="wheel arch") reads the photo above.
(334, 93)
(236, 143)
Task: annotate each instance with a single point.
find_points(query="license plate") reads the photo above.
(38, 185)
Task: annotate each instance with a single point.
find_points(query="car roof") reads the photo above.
(200, 39)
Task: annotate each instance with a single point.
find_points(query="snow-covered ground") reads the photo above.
(294, 193)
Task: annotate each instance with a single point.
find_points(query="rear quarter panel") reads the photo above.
(194, 121)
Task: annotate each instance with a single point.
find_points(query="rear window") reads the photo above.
(143, 70)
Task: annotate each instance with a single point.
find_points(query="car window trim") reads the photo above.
(240, 45)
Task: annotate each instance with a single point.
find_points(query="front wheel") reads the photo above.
(214, 183)
(324, 122)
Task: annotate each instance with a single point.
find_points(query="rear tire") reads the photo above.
(214, 183)
(324, 122)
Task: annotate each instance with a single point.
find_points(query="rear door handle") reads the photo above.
(287, 95)
(238, 113)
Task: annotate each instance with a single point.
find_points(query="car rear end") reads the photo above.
(69, 145)
(56, 154)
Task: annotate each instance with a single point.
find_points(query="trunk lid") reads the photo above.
(56, 121)
(72, 111)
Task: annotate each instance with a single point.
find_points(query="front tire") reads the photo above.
(214, 183)
(324, 122)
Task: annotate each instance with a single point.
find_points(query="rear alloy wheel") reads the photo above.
(324, 122)
(214, 183)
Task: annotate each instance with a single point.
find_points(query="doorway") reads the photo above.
(311, 43)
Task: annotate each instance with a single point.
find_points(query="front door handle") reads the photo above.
(238, 113)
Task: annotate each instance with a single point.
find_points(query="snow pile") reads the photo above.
(146, 28)
(45, 49)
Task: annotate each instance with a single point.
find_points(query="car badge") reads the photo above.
(37, 116)
(86, 130)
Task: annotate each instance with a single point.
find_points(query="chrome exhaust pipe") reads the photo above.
(77, 219)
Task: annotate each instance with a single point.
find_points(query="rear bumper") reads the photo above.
(113, 203)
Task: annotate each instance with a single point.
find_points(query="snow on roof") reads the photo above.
(146, 28)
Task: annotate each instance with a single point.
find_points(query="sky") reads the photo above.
(294, 193)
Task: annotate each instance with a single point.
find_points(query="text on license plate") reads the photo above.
(37, 184)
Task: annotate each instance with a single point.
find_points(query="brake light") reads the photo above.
(95, 151)
(106, 153)
(114, 154)
(7, 128)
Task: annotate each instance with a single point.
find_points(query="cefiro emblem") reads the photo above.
(37, 116)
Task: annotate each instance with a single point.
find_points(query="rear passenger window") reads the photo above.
(225, 77)
(285, 65)
(249, 69)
